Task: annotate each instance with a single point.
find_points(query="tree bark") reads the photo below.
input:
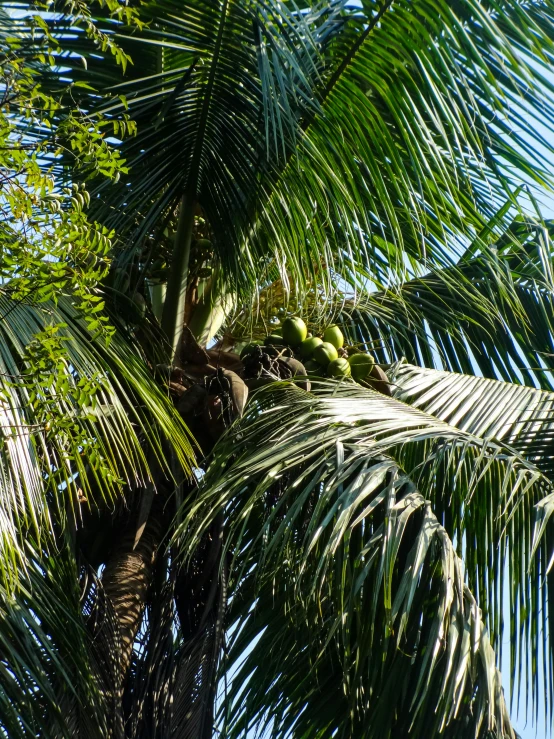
(126, 580)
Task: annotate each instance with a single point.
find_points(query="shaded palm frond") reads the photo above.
(490, 311)
(87, 423)
(201, 600)
(61, 665)
(55, 677)
(222, 81)
(102, 626)
(433, 324)
(194, 711)
(149, 694)
(392, 641)
(173, 678)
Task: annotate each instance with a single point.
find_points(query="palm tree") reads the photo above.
(342, 560)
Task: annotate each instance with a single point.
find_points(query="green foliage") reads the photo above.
(62, 678)
(77, 399)
(48, 246)
(365, 135)
(71, 410)
(332, 544)
(362, 163)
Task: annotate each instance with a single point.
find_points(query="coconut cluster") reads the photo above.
(322, 356)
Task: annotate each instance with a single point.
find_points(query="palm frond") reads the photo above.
(490, 311)
(517, 415)
(433, 324)
(379, 171)
(172, 683)
(521, 417)
(182, 92)
(382, 153)
(92, 427)
(367, 666)
(291, 500)
(55, 678)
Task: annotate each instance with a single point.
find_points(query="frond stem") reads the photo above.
(174, 305)
(348, 59)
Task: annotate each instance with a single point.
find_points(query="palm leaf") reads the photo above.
(517, 415)
(60, 673)
(394, 117)
(173, 678)
(521, 417)
(490, 311)
(292, 501)
(367, 667)
(52, 680)
(369, 139)
(101, 442)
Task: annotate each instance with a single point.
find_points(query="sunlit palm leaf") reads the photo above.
(381, 152)
(367, 667)
(293, 499)
(520, 416)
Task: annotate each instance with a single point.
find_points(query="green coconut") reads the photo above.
(333, 335)
(338, 368)
(203, 245)
(294, 331)
(274, 340)
(325, 353)
(360, 365)
(313, 369)
(307, 347)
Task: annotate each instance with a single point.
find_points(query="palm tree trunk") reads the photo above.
(126, 580)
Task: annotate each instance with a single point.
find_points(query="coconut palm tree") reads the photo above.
(339, 559)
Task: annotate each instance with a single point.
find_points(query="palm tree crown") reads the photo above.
(324, 557)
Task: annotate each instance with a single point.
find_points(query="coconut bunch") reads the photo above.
(210, 386)
(318, 356)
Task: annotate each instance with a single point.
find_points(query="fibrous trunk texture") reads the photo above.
(126, 581)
